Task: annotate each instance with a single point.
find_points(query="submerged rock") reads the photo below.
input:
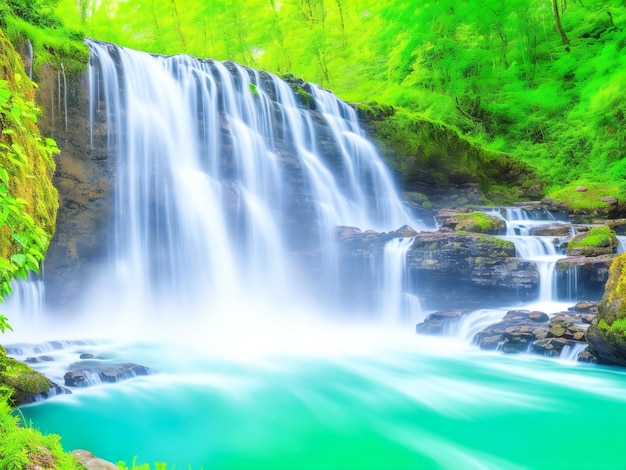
(86, 373)
(557, 229)
(526, 331)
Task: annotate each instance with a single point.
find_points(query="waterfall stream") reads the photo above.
(221, 173)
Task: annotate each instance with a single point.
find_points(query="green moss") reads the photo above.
(477, 222)
(428, 151)
(613, 305)
(603, 325)
(497, 247)
(596, 237)
(590, 200)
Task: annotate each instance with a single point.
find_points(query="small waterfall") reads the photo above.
(541, 250)
(621, 243)
(27, 298)
(571, 353)
(64, 94)
(396, 304)
(29, 45)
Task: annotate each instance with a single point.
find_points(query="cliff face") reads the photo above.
(84, 179)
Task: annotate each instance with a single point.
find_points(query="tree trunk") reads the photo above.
(559, 26)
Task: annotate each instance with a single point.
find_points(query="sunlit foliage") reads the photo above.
(542, 80)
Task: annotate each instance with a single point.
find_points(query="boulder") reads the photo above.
(440, 323)
(476, 222)
(91, 462)
(552, 347)
(566, 330)
(516, 332)
(556, 229)
(586, 307)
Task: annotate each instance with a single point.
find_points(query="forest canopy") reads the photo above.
(542, 80)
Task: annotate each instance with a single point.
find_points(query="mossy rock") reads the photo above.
(596, 242)
(607, 332)
(591, 199)
(25, 382)
(476, 222)
(497, 247)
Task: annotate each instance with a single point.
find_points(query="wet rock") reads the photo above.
(586, 307)
(404, 232)
(516, 332)
(440, 323)
(86, 373)
(91, 462)
(523, 315)
(489, 342)
(35, 360)
(552, 347)
(551, 230)
(582, 189)
(587, 356)
(588, 274)
(566, 330)
(518, 339)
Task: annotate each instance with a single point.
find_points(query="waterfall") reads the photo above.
(621, 244)
(225, 185)
(29, 45)
(396, 303)
(541, 250)
(571, 353)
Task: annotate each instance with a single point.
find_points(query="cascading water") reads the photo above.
(397, 303)
(539, 249)
(221, 174)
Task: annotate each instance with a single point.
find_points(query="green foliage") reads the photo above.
(25, 447)
(499, 75)
(28, 241)
(37, 21)
(145, 466)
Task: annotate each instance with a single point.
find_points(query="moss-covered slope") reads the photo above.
(431, 153)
